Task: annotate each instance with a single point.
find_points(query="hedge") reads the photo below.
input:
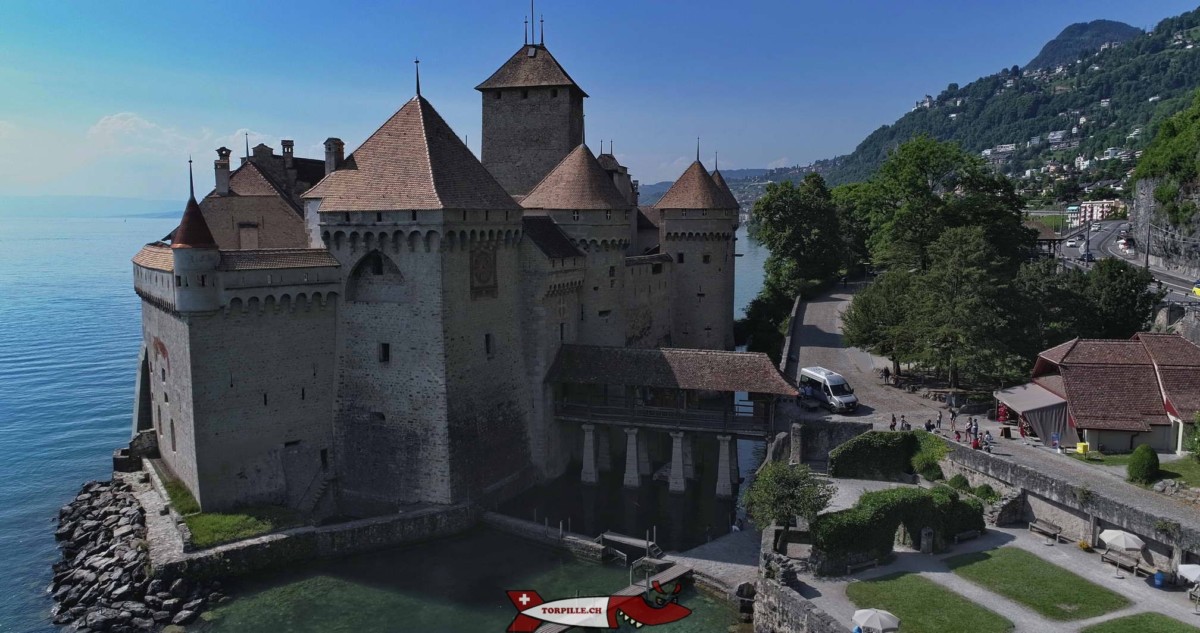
(874, 455)
(870, 526)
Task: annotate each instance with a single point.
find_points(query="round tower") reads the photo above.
(196, 260)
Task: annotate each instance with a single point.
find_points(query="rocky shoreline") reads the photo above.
(104, 580)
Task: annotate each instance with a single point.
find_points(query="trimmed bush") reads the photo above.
(874, 455)
(1143, 465)
(987, 493)
(930, 450)
(958, 482)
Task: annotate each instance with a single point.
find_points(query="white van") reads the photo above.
(828, 388)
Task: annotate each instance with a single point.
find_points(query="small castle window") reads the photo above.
(264, 398)
(385, 352)
(178, 281)
(562, 332)
(679, 258)
(302, 393)
(172, 435)
(704, 212)
(683, 214)
(497, 94)
(612, 271)
(707, 258)
(575, 215)
(163, 372)
(487, 345)
(203, 280)
(346, 217)
(524, 94)
(656, 269)
(414, 216)
(324, 458)
(553, 93)
(379, 217)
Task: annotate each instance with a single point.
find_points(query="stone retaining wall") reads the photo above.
(1080, 511)
(779, 609)
(577, 544)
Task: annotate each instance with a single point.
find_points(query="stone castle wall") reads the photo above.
(169, 360)
(263, 392)
(526, 132)
(647, 302)
(702, 277)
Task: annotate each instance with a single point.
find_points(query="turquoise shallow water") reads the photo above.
(69, 332)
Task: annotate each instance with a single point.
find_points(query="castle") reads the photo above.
(396, 326)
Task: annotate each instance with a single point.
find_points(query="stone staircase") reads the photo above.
(311, 498)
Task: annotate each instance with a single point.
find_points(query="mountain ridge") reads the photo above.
(1080, 38)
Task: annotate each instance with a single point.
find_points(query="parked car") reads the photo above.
(829, 388)
(1087, 257)
(1072, 243)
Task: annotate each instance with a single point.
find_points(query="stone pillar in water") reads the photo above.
(724, 484)
(677, 483)
(632, 475)
(796, 440)
(589, 475)
(689, 462)
(604, 451)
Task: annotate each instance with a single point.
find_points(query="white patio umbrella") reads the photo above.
(876, 619)
(1191, 572)
(1120, 539)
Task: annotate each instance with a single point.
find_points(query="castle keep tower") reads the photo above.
(532, 118)
(696, 228)
(431, 405)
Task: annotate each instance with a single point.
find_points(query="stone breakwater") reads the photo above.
(104, 580)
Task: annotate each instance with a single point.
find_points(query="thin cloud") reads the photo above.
(780, 162)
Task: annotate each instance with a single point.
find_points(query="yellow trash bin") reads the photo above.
(1081, 448)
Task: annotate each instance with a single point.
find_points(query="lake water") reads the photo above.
(69, 335)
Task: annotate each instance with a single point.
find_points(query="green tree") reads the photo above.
(958, 316)
(926, 187)
(1046, 307)
(877, 318)
(799, 224)
(1121, 301)
(854, 203)
(781, 492)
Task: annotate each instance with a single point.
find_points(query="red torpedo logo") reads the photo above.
(595, 612)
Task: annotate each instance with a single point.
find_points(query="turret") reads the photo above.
(196, 259)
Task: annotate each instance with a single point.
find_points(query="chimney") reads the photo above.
(221, 167)
(334, 154)
(288, 148)
(289, 167)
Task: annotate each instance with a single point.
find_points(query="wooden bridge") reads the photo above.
(670, 574)
(741, 419)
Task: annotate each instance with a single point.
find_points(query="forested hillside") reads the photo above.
(1115, 98)
(1079, 39)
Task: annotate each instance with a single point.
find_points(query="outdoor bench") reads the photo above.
(1047, 528)
(850, 569)
(1120, 559)
(966, 536)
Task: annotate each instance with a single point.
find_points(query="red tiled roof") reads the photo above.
(155, 255)
(269, 258)
(668, 368)
(1052, 383)
(719, 180)
(1113, 396)
(531, 66)
(695, 189)
(413, 161)
(1102, 352)
(548, 237)
(193, 230)
(1182, 386)
(1057, 353)
(1170, 349)
(577, 182)
(608, 162)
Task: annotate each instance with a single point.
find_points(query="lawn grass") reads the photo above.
(924, 606)
(182, 500)
(1044, 587)
(214, 528)
(1184, 469)
(1142, 623)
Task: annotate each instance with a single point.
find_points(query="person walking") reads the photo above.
(939, 422)
(892, 426)
(887, 375)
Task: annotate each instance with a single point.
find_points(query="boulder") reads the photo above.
(194, 605)
(183, 617)
(143, 624)
(161, 616)
(171, 605)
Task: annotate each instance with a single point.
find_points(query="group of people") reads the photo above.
(970, 434)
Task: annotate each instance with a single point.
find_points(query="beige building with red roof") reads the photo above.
(1113, 394)
(400, 325)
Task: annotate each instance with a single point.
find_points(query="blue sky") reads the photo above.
(109, 98)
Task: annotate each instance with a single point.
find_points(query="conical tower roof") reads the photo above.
(193, 231)
(531, 66)
(695, 189)
(719, 180)
(577, 182)
(413, 161)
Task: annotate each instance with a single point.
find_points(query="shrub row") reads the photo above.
(874, 455)
(870, 526)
